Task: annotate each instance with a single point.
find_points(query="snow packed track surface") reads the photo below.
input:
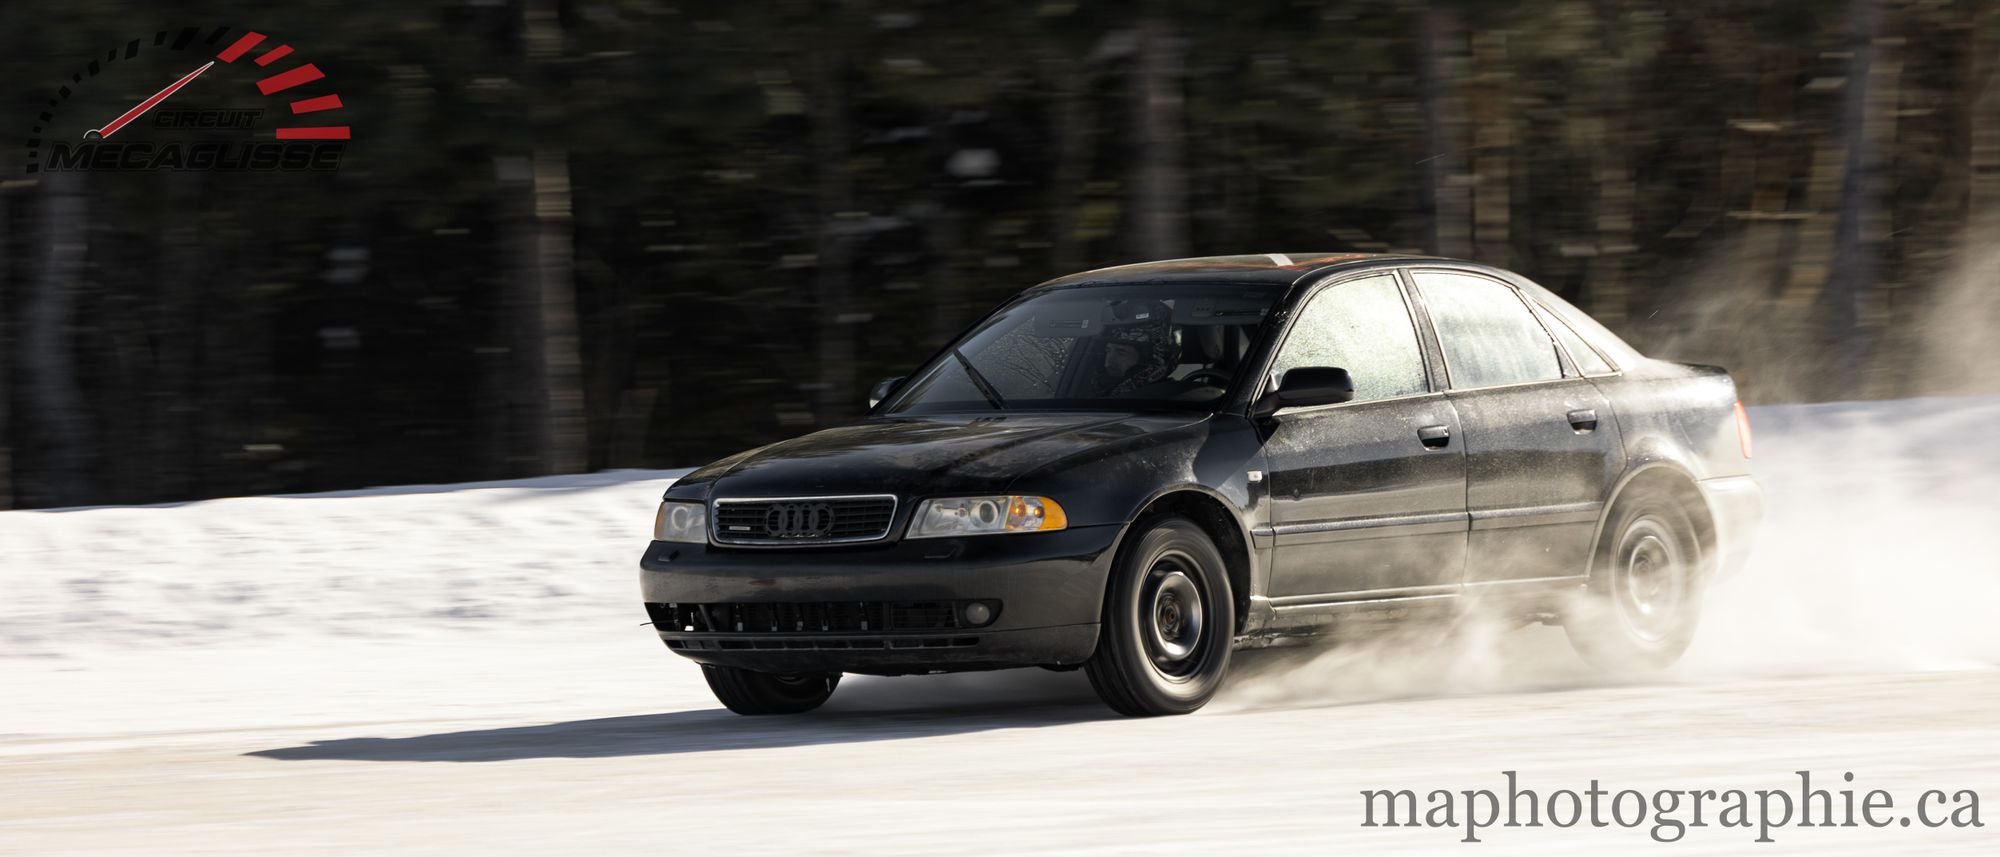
(462, 669)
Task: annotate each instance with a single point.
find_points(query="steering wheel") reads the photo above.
(1210, 376)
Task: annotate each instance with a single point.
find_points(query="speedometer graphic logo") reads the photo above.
(193, 99)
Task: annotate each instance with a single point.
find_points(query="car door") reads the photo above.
(1541, 443)
(1367, 496)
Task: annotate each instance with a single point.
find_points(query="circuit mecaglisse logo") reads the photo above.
(112, 115)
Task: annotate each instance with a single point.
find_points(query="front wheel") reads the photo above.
(750, 692)
(1169, 623)
(1644, 597)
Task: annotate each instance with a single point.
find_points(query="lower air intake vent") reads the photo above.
(811, 617)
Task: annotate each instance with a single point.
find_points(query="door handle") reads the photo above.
(1583, 420)
(1435, 437)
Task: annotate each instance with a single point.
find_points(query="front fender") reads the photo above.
(1114, 483)
(1212, 460)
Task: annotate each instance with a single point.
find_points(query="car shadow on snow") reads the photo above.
(889, 709)
(863, 710)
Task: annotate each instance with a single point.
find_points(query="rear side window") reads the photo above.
(1362, 326)
(1586, 358)
(1490, 337)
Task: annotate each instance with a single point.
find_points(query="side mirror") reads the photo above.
(883, 389)
(1307, 386)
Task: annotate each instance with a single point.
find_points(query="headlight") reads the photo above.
(681, 522)
(972, 516)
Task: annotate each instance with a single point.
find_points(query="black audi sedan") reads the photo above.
(1138, 470)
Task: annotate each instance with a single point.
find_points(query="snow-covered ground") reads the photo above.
(462, 668)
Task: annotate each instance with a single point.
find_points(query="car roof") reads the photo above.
(1273, 268)
(1290, 269)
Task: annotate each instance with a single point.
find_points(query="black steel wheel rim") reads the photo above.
(1173, 617)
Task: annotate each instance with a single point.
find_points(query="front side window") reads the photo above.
(1489, 335)
(1362, 326)
(1097, 347)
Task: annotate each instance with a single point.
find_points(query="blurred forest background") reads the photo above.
(583, 234)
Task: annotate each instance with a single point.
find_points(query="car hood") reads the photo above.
(929, 455)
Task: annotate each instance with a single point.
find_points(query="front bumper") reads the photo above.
(796, 609)
(1737, 505)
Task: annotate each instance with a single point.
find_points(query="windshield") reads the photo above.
(1094, 348)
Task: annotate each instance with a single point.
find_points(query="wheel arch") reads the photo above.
(1675, 482)
(1216, 518)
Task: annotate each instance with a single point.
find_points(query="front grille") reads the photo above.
(807, 617)
(803, 520)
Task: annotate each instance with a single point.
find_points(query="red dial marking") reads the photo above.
(287, 79)
(314, 105)
(238, 47)
(327, 132)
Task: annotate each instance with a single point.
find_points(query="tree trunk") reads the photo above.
(6, 353)
(1614, 210)
(1238, 187)
(1957, 343)
(944, 234)
(515, 379)
(565, 431)
(1075, 133)
(1493, 151)
(1609, 284)
(1441, 63)
(1983, 127)
(173, 413)
(58, 424)
(562, 432)
(1159, 198)
(1877, 298)
(942, 215)
(631, 424)
(1854, 254)
(1812, 259)
(117, 360)
(837, 396)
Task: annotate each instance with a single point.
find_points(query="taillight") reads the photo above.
(1742, 429)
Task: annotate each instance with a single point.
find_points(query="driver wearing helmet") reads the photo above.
(1140, 347)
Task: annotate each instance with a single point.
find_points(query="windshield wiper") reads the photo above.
(985, 387)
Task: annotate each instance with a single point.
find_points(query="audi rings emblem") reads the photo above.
(799, 520)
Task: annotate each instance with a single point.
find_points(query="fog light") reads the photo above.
(977, 613)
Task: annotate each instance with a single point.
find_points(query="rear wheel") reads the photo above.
(1644, 598)
(749, 692)
(1169, 623)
